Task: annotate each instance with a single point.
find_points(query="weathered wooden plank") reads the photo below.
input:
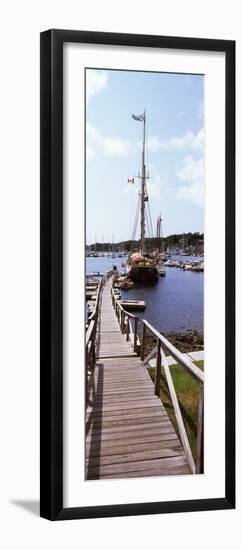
(133, 436)
(148, 454)
(128, 421)
(107, 448)
(154, 403)
(120, 386)
(113, 362)
(123, 391)
(126, 363)
(147, 416)
(177, 471)
(133, 379)
(159, 464)
(120, 398)
(124, 429)
(120, 368)
(110, 355)
(130, 384)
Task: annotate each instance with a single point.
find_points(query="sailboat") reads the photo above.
(185, 251)
(142, 267)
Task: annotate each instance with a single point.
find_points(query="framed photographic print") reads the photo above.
(137, 274)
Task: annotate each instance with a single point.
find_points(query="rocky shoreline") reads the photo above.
(184, 342)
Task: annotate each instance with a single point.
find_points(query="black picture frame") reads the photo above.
(51, 323)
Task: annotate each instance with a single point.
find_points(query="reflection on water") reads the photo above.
(174, 304)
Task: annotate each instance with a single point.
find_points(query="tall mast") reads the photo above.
(143, 179)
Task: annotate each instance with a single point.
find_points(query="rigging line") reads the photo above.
(161, 231)
(137, 217)
(150, 219)
(148, 206)
(134, 231)
(150, 234)
(147, 148)
(147, 223)
(136, 220)
(147, 215)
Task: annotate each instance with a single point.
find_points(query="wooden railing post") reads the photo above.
(158, 369)
(86, 372)
(143, 343)
(135, 333)
(199, 463)
(127, 329)
(93, 351)
(122, 320)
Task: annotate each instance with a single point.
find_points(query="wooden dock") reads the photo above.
(128, 432)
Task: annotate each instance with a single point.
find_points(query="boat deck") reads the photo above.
(128, 432)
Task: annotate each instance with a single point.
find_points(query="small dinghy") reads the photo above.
(133, 305)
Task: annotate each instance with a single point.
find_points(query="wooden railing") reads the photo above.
(90, 348)
(90, 337)
(94, 314)
(163, 347)
(128, 323)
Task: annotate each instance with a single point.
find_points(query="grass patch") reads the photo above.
(187, 390)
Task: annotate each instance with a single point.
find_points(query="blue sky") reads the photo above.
(175, 149)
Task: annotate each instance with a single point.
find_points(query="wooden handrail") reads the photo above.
(89, 332)
(121, 314)
(90, 337)
(185, 362)
(178, 414)
(94, 314)
(163, 345)
(200, 453)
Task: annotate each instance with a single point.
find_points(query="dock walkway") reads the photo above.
(128, 432)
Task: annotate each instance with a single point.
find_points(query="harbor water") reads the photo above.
(174, 304)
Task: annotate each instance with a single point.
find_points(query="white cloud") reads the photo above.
(157, 185)
(105, 145)
(187, 142)
(192, 173)
(114, 146)
(129, 188)
(91, 132)
(154, 187)
(96, 81)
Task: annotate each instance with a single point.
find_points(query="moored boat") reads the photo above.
(172, 263)
(142, 268)
(133, 305)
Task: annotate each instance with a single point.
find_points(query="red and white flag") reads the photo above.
(131, 180)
